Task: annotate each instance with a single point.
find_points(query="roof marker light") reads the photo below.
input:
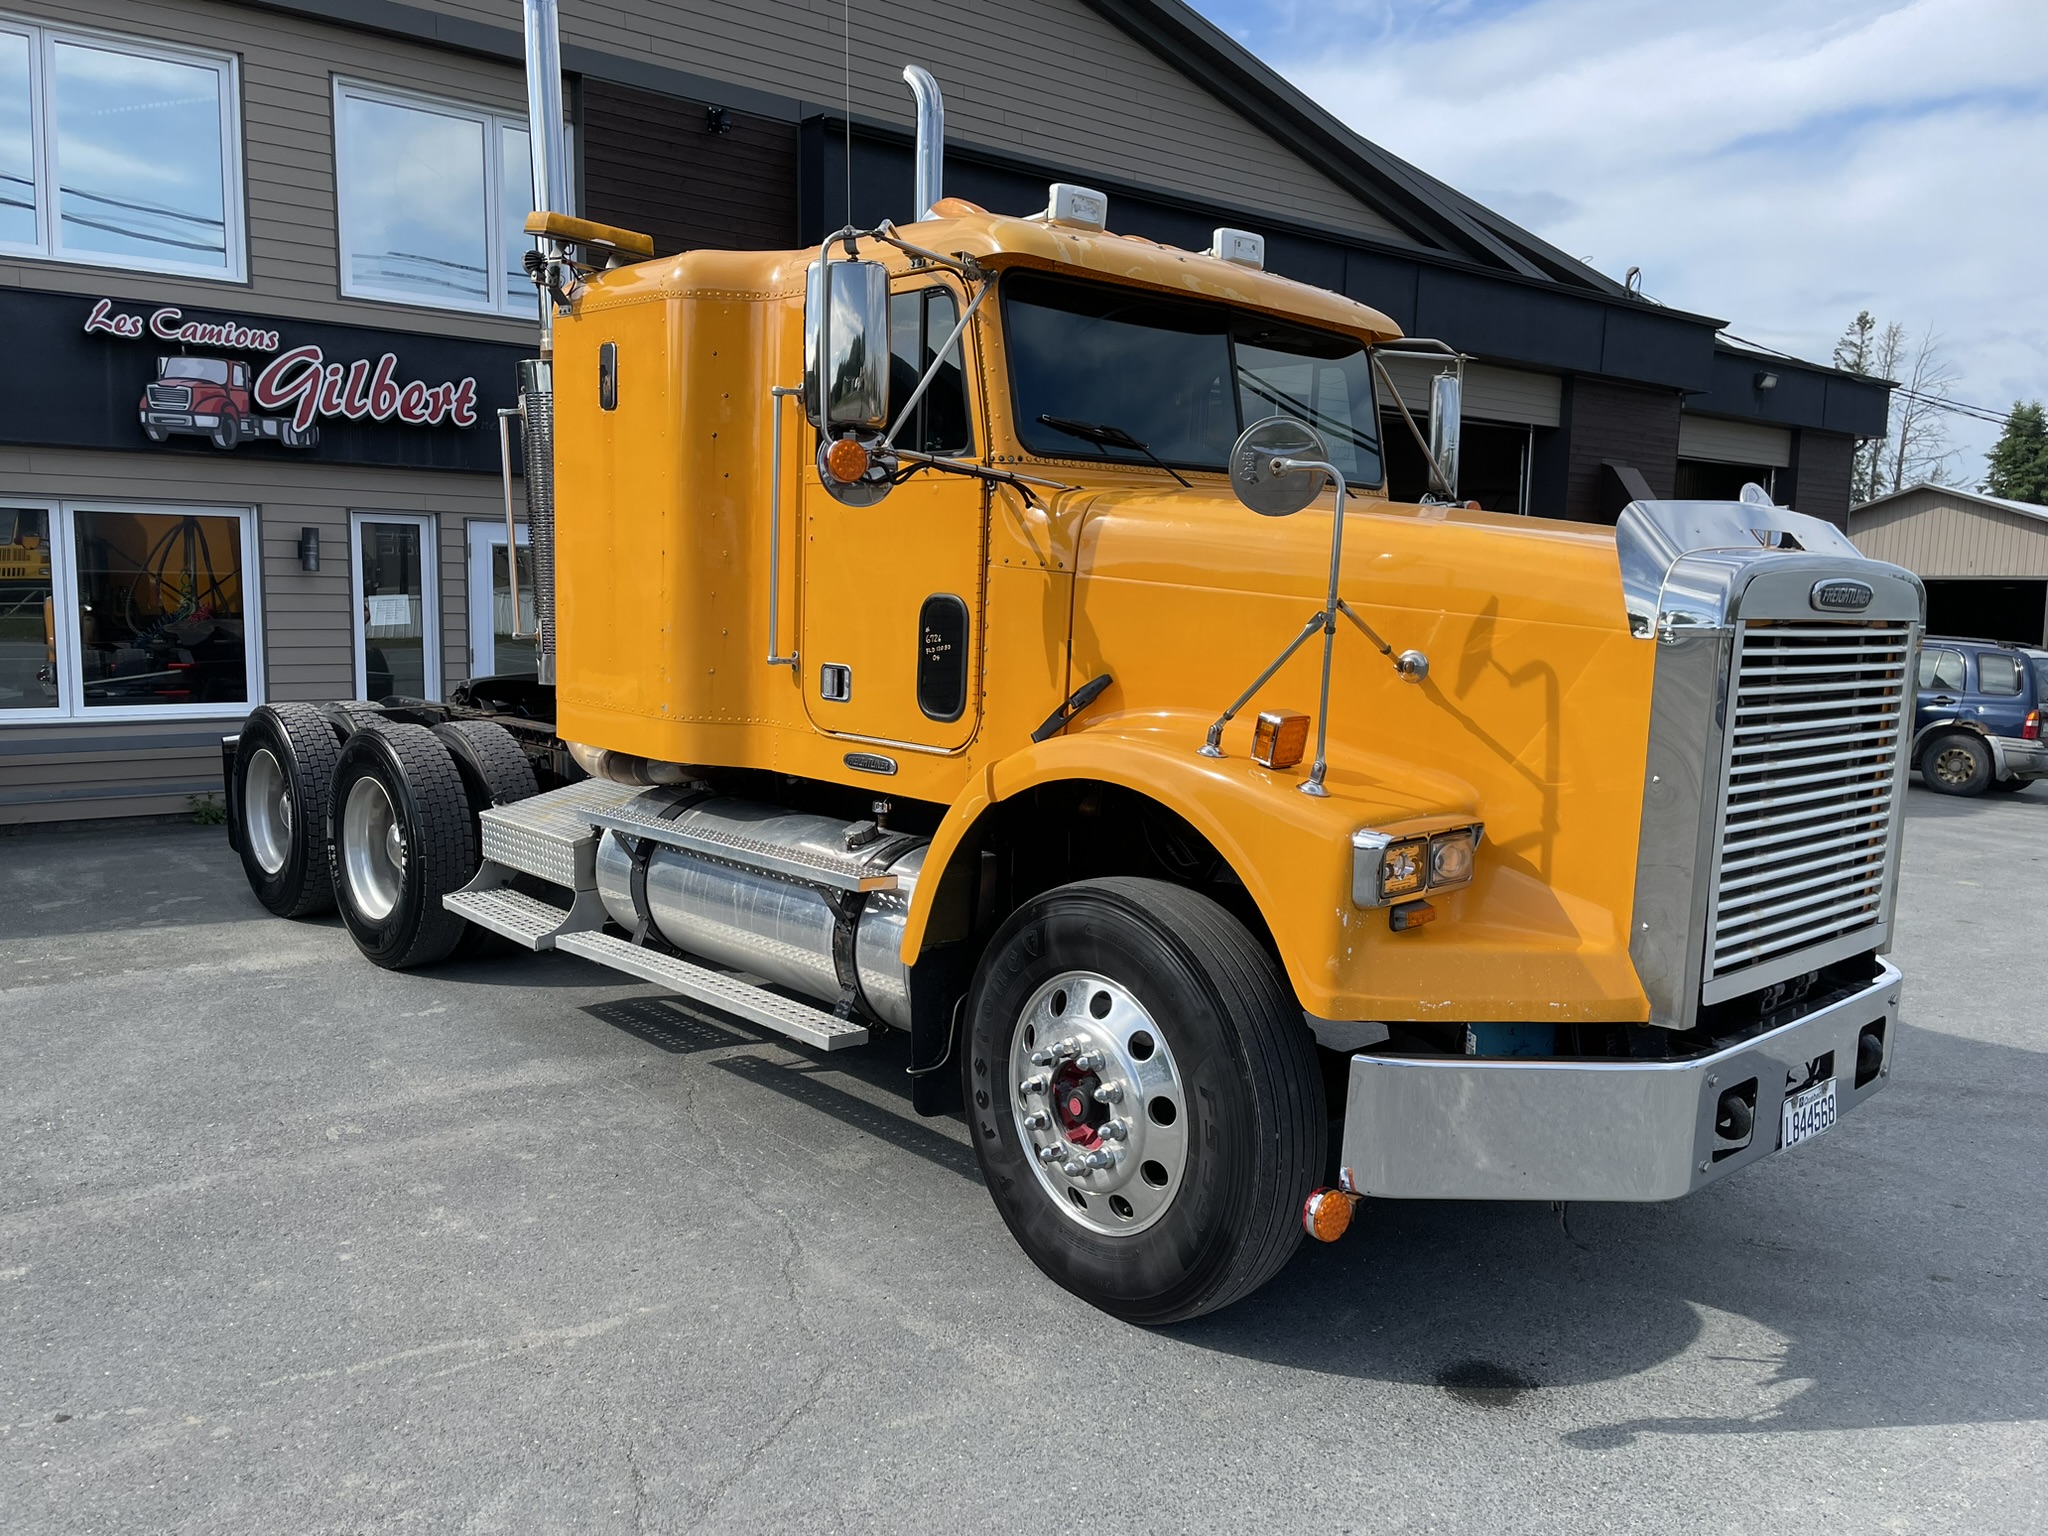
(1239, 247)
(1077, 207)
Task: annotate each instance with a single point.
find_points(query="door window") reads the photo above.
(1941, 669)
(918, 324)
(502, 639)
(1998, 673)
(28, 639)
(396, 615)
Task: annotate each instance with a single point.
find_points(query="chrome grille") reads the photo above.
(1805, 847)
(171, 397)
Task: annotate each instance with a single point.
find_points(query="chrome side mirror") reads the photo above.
(1446, 410)
(846, 345)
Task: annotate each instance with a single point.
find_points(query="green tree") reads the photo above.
(2019, 460)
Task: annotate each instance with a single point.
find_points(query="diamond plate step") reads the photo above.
(800, 1021)
(550, 835)
(525, 920)
(810, 865)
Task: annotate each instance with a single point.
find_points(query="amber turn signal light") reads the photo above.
(1279, 738)
(1410, 914)
(846, 461)
(1326, 1215)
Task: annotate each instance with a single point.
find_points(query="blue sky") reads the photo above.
(1777, 163)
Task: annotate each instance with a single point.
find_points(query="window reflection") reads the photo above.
(138, 156)
(28, 641)
(515, 199)
(918, 323)
(17, 144)
(510, 655)
(394, 610)
(412, 187)
(160, 608)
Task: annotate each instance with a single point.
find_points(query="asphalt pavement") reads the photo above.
(290, 1244)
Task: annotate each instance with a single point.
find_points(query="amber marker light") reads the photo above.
(1326, 1215)
(1410, 915)
(846, 461)
(1279, 738)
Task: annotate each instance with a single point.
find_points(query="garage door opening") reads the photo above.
(1989, 610)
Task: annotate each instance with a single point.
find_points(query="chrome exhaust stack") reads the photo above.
(536, 376)
(931, 138)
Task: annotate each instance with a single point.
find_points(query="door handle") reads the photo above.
(1942, 699)
(777, 393)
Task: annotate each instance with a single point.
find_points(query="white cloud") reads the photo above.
(1776, 163)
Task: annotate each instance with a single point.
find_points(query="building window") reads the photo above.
(398, 621)
(110, 611)
(433, 202)
(119, 153)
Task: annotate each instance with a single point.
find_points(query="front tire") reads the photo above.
(1956, 764)
(284, 776)
(403, 837)
(1143, 1096)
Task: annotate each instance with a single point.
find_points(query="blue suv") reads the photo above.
(1977, 723)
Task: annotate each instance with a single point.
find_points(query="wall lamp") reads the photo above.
(309, 549)
(1766, 380)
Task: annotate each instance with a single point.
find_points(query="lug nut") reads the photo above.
(1041, 1058)
(1051, 1154)
(1088, 1061)
(1116, 1130)
(1110, 1093)
(1098, 1160)
(1073, 1170)
(1032, 1085)
(1037, 1120)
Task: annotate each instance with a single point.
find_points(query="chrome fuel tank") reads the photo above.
(776, 928)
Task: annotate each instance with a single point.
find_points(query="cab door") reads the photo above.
(890, 641)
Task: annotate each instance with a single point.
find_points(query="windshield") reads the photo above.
(211, 369)
(1183, 378)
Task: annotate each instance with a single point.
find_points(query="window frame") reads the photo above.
(430, 598)
(493, 124)
(48, 245)
(71, 706)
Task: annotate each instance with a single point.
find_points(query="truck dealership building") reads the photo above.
(260, 269)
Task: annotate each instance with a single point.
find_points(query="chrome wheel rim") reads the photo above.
(1956, 765)
(372, 850)
(267, 811)
(1098, 1104)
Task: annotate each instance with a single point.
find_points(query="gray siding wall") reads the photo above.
(1622, 424)
(1050, 79)
(287, 66)
(81, 768)
(1935, 534)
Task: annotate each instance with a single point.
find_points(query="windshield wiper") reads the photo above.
(1110, 437)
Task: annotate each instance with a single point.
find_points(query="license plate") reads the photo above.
(1809, 1112)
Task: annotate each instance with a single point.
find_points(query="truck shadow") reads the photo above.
(1892, 1278)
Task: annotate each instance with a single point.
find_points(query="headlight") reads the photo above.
(1398, 864)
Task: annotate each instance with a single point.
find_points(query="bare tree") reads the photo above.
(1919, 446)
(1915, 446)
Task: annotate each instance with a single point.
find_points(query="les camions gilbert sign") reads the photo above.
(176, 377)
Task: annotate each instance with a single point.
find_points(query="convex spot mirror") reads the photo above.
(1270, 490)
(846, 345)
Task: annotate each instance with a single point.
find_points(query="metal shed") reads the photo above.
(1984, 559)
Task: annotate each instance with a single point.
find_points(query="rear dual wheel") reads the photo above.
(284, 776)
(404, 837)
(1143, 1096)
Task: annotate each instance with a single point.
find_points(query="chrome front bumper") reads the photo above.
(1460, 1128)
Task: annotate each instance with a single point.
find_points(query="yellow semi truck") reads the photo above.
(996, 629)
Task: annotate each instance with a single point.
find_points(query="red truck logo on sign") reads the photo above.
(226, 399)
